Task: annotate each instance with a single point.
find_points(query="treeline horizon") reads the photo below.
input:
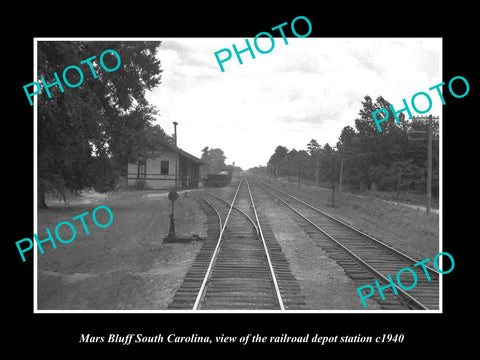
(363, 158)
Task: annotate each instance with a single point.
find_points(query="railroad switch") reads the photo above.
(171, 237)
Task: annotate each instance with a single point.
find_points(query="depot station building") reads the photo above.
(157, 169)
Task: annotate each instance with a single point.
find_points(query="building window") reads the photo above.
(142, 170)
(164, 167)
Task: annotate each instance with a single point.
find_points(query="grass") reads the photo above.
(401, 197)
(123, 266)
(127, 266)
(407, 230)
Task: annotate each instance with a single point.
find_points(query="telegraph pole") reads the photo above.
(429, 168)
(342, 161)
(176, 154)
(429, 157)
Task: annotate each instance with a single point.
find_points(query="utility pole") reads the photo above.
(299, 172)
(342, 161)
(429, 168)
(429, 156)
(176, 155)
(343, 158)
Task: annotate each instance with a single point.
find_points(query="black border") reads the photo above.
(56, 333)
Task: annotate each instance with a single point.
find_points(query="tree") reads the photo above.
(129, 146)
(289, 165)
(345, 147)
(215, 159)
(302, 162)
(365, 158)
(390, 160)
(277, 157)
(314, 150)
(87, 133)
(372, 148)
(330, 160)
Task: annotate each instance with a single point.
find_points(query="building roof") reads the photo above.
(183, 153)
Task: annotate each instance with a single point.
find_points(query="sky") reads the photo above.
(310, 88)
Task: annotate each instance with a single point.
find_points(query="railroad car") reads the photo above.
(223, 178)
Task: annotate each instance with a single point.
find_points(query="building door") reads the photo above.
(142, 170)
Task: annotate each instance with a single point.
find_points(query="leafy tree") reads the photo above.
(277, 157)
(346, 151)
(215, 159)
(393, 160)
(371, 147)
(330, 167)
(87, 133)
(302, 160)
(293, 163)
(345, 144)
(314, 149)
(288, 165)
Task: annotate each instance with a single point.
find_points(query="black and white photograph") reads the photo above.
(233, 182)
(263, 187)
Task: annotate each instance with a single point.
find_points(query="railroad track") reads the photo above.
(363, 258)
(240, 265)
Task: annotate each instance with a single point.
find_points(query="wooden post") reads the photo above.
(299, 174)
(429, 169)
(176, 156)
(429, 158)
(341, 176)
(333, 193)
(172, 196)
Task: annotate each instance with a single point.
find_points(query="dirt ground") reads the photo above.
(126, 266)
(324, 283)
(408, 230)
(121, 267)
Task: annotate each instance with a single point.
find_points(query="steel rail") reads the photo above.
(212, 260)
(216, 211)
(270, 265)
(376, 241)
(240, 210)
(409, 298)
